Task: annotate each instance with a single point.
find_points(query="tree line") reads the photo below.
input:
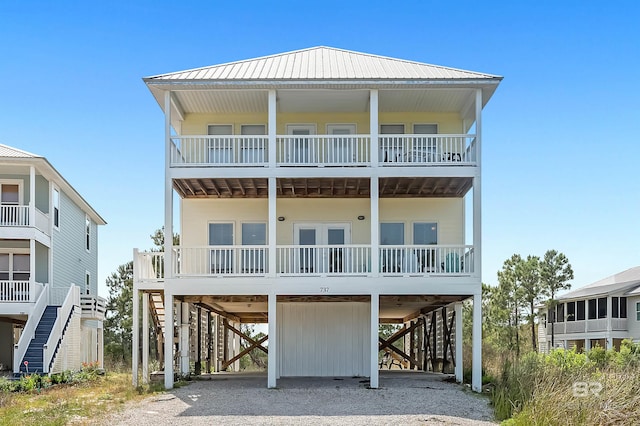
(523, 285)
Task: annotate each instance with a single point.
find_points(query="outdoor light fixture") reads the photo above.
(280, 218)
(361, 217)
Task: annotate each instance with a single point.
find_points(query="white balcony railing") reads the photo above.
(11, 215)
(324, 260)
(323, 150)
(426, 149)
(426, 259)
(219, 151)
(221, 261)
(93, 307)
(586, 326)
(326, 150)
(316, 260)
(19, 291)
(149, 266)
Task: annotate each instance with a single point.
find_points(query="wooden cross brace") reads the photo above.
(253, 344)
(395, 336)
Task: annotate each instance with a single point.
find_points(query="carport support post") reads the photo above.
(184, 339)
(458, 311)
(476, 376)
(135, 336)
(168, 340)
(375, 307)
(272, 356)
(145, 338)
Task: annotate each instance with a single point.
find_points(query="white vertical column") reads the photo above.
(272, 360)
(101, 345)
(145, 337)
(32, 196)
(476, 374)
(373, 126)
(609, 342)
(458, 371)
(272, 226)
(375, 309)
(184, 338)
(375, 226)
(272, 123)
(135, 337)
(168, 190)
(477, 192)
(168, 340)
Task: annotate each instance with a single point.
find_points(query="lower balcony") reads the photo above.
(587, 326)
(311, 261)
(19, 291)
(93, 307)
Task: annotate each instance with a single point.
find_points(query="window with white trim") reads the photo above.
(14, 267)
(87, 225)
(221, 234)
(638, 311)
(87, 282)
(56, 208)
(221, 145)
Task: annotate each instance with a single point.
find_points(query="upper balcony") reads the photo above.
(324, 150)
(16, 219)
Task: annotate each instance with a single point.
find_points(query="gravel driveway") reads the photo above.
(243, 399)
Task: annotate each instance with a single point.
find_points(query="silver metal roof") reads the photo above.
(7, 151)
(624, 282)
(323, 63)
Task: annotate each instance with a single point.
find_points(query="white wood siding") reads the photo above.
(71, 260)
(323, 339)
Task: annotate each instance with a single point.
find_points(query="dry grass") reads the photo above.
(79, 403)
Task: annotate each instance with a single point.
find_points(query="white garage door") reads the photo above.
(323, 339)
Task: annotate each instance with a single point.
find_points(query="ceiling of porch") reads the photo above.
(393, 187)
(254, 309)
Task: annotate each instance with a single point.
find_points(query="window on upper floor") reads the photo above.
(87, 225)
(560, 312)
(618, 307)
(637, 311)
(252, 150)
(602, 307)
(425, 233)
(14, 267)
(220, 149)
(593, 313)
(222, 259)
(9, 194)
(580, 310)
(87, 282)
(392, 148)
(571, 311)
(56, 208)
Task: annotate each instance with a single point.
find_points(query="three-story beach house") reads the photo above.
(50, 312)
(322, 192)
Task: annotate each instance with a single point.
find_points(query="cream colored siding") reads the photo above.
(323, 339)
(196, 124)
(71, 260)
(447, 213)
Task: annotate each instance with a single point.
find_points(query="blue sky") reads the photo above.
(560, 134)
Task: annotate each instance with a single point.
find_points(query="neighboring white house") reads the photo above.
(602, 313)
(50, 313)
(323, 192)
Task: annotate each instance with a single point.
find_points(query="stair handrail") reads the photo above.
(49, 349)
(20, 349)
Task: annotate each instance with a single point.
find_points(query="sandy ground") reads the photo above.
(405, 398)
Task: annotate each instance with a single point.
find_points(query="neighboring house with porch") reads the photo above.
(602, 313)
(322, 192)
(50, 313)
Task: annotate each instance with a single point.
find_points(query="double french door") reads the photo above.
(322, 247)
